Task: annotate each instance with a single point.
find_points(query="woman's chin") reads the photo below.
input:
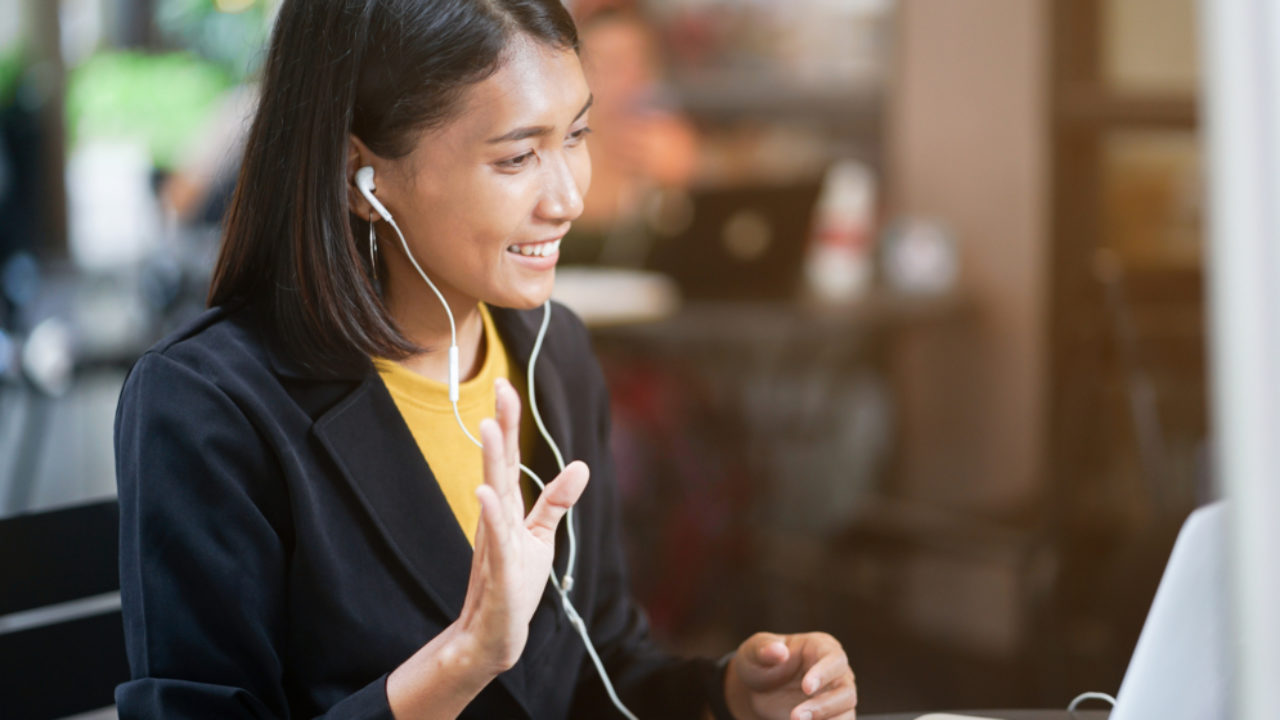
(528, 298)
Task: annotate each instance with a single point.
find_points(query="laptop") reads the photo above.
(1181, 668)
(739, 243)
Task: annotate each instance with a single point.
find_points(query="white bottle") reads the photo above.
(839, 263)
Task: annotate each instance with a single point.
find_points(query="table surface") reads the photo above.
(1002, 715)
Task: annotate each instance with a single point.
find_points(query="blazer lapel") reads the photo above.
(381, 461)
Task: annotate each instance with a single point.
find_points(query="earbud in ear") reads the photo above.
(364, 183)
(364, 179)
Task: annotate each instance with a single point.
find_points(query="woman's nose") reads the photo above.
(561, 197)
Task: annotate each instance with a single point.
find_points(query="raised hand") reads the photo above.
(513, 553)
(509, 570)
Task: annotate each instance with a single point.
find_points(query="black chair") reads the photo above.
(60, 657)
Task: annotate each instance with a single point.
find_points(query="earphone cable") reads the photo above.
(546, 435)
(453, 330)
(1075, 703)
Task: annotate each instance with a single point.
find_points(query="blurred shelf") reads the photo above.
(1178, 112)
(614, 296)
(765, 322)
(855, 107)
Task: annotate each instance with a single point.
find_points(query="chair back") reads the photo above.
(61, 633)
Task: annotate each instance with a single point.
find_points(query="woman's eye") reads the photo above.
(517, 162)
(579, 135)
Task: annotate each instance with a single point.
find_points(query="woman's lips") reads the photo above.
(540, 249)
(539, 257)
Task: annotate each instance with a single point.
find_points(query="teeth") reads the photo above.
(539, 250)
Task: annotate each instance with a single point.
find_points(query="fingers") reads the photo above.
(555, 501)
(490, 530)
(508, 412)
(766, 661)
(498, 475)
(832, 665)
(828, 679)
(837, 702)
(768, 649)
(495, 464)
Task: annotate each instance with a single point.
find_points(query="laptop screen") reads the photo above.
(1180, 669)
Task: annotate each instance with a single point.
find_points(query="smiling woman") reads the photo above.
(484, 203)
(305, 530)
(449, 102)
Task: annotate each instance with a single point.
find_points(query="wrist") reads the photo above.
(462, 649)
(737, 699)
(447, 672)
(490, 654)
(718, 690)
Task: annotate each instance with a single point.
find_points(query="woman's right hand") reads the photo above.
(509, 571)
(513, 553)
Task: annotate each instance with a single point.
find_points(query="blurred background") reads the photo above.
(901, 303)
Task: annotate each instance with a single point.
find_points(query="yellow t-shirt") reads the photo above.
(456, 462)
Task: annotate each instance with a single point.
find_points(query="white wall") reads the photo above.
(1242, 93)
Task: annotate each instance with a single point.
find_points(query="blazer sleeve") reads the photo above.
(204, 538)
(650, 681)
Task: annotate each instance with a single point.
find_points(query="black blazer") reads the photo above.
(284, 545)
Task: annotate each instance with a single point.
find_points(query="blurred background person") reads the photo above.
(641, 142)
(199, 188)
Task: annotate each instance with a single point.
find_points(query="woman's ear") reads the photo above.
(358, 156)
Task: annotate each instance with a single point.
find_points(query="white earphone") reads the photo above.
(366, 186)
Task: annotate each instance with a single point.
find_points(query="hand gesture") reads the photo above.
(790, 677)
(513, 553)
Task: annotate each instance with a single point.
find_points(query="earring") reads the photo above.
(373, 255)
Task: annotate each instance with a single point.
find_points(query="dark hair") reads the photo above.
(383, 70)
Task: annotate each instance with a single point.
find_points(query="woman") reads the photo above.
(305, 530)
